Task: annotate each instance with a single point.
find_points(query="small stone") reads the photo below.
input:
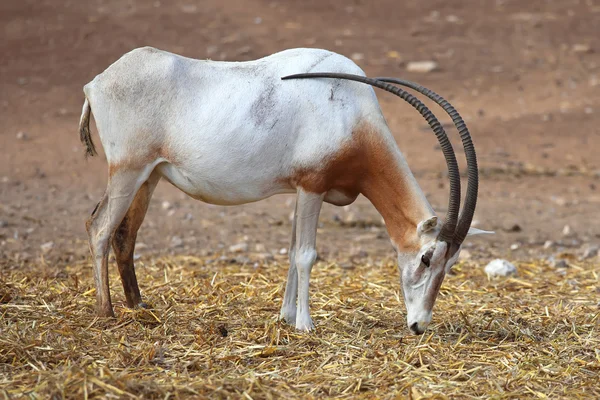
(581, 48)
(210, 50)
(239, 248)
(243, 50)
(393, 54)
(465, 255)
(176, 241)
(166, 205)
(265, 256)
(453, 19)
(590, 252)
(362, 253)
(560, 263)
(283, 251)
(567, 231)
(257, 21)
(560, 201)
(189, 8)
(260, 248)
(47, 247)
(346, 265)
(548, 244)
(499, 267)
(515, 246)
(242, 260)
(22, 135)
(421, 66)
(357, 56)
(350, 218)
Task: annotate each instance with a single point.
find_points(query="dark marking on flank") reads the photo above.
(262, 108)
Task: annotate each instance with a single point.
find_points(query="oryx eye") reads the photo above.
(425, 260)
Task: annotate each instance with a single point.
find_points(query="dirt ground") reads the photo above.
(524, 75)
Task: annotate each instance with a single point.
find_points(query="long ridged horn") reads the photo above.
(447, 232)
(466, 215)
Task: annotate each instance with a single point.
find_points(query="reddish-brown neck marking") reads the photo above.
(371, 164)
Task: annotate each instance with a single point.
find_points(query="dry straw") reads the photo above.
(213, 333)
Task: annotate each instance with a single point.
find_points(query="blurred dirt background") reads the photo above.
(525, 76)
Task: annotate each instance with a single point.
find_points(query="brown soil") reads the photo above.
(520, 74)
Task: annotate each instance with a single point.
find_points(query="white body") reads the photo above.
(230, 133)
(233, 133)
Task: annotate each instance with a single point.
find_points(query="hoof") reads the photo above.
(105, 312)
(304, 324)
(288, 315)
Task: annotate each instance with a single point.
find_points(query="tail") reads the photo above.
(84, 130)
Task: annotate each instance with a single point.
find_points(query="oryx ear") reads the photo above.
(475, 231)
(427, 225)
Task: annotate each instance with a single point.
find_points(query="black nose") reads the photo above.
(415, 328)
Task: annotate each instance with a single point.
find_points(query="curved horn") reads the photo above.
(447, 232)
(466, 215)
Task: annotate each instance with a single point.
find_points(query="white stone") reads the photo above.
(421, 66)
(176, 241)
(46, 247)
(260, 248)
(239, 248)
(590, 252)
(499, 267)
(582, 48)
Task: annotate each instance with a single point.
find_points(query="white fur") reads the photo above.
(240, 117)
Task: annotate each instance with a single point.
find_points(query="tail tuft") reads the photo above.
(84, 130)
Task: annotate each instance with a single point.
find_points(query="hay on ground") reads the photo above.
(213, 332)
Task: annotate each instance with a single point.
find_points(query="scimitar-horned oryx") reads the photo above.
(231, 133)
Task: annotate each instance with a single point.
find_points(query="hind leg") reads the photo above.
(123, 242)
(122, 187)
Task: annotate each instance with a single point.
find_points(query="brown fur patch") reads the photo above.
(139, 161)
(368, 165)
(124, 244)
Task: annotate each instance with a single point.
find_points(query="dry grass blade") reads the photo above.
(213, 333)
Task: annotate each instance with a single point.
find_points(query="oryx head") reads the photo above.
(422, 273)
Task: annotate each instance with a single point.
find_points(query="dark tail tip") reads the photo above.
(84, 130)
